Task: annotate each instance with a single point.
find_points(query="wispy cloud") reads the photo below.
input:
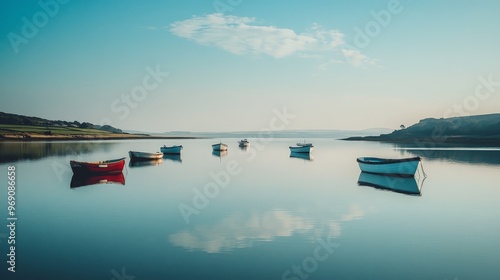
(245, 36)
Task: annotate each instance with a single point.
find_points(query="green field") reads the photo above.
(9, 128)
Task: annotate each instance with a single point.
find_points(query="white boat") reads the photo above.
(243, 143)
(219, 147)
(405, 185)
(405, 167)
(171, 150)
(134, 155)
(301, 149)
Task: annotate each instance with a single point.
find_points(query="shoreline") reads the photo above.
(29, 137)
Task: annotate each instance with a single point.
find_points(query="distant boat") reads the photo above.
(301, 149)
(171, 149)
(219, 147)
(144, 156)
(145, 162)
(405, 167)
(79, 180)
(105, 166)
(405, 185)
(243, 143)
(305, 156)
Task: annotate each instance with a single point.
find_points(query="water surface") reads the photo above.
(259, 213)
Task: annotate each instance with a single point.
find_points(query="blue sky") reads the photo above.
(333, 64)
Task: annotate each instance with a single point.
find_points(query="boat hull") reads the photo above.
(301, 149)
(405, 185)
(219, 147)
(392, 167)
(144, 156)
(171, 150)
(100, 167)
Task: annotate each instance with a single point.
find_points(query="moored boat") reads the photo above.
(134, 155)
(105, 166)
(405, 185)
(301, 149)
(243, 143)
(219, 147)
(405, 167)
(171, 150)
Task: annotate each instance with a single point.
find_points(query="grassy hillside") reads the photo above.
(48, 130)
(481, 129)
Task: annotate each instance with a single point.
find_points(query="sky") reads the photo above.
(233, 65)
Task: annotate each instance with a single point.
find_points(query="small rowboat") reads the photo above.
(106, 166)
(243, 143)
(219, 147)
(171, 149)
(144, 156)
(79, 180)
(301, 149)
(405, 167)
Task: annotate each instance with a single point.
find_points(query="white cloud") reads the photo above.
(243, 35)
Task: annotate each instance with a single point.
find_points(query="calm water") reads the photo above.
(265, 215)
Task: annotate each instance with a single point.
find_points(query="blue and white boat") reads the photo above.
(171, 150)
(405, 167)
(301, 149)
(405, 185)
(243, 143)
(134, 155)
(219, 147)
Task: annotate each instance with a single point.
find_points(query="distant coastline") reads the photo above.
(480, 130)
(33, 137)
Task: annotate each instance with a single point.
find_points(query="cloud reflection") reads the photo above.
(242, 231)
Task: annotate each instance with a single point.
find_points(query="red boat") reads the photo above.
(106, 166)
(79, 180)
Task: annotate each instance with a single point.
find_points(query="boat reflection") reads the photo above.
(173, 157)
(244, 148)
(304, 156)
(219, 153)
(79, 180)
(142, 163)
(404, 185)
(488, 156)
